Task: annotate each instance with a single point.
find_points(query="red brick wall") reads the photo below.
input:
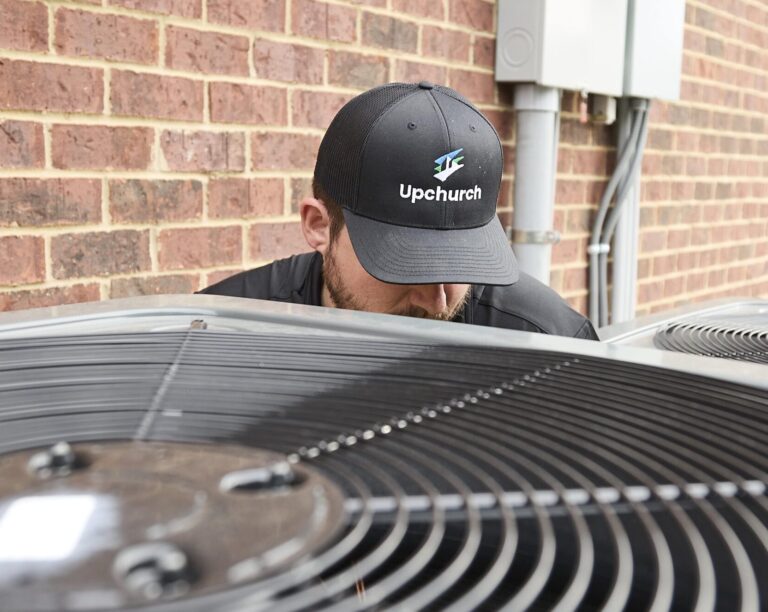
(155, 146)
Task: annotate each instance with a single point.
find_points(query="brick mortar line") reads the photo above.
(159, 124)
(420, 43)
(698, 105)
(77, 116)
(581, 235)
(162, 42)
(156, 158)
(724, 202)
(289, 36)
(215, 223)
(288, 23)
(689, 129)
(112, 9)
(717, 35)
(741, 263)
(722, 61)
(697, 178)
(151, 70)
(680, 153)
(51, 29)
(245, 243)
(286, 196)
(694, 201)
(107, 102)
(699, 225)
(106, 215)
(702, 292)
(358, 27)
(722, 13)
(679, 178)
(758, 3)
(600, 148)
(725, 86)
(702, 178)
(583, 264)
(696, 226)
(445, 23)
(73, 60)
(204, 216)
(249, 157)
(47, 151)
(249, 60)
(153, 250)
(48, 263)
(207, 103)
(289, 107)
(709, 247)
(695, 293)
(68, 282)
(208, 26)
(148, 174)
(132, 121)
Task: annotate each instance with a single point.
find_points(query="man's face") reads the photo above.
(349, 286)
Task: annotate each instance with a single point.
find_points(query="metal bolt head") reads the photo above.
(154, 570)
(59, 460)
(269, 478)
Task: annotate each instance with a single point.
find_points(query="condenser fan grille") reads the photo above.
(744, 338)
(472, 478)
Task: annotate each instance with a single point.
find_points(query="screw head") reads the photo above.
(153, 570)
(278, 475)
(58, 460)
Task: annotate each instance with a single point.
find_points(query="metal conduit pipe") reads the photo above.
(625, 242)
(595, 244)
(642, 108)
(537, 137)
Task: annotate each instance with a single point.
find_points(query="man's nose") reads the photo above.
(431, 298)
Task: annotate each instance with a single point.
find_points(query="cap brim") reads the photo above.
(416, 256)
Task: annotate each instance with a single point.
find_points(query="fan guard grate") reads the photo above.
(472, 477)
(739, 338)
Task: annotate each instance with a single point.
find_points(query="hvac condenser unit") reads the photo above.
(209, 453)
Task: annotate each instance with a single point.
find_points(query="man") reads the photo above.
(403, 221)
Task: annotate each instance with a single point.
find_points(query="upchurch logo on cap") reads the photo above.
(451, 163)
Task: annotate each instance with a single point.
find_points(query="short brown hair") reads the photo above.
(335, 214)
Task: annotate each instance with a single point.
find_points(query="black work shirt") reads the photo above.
(528, 305)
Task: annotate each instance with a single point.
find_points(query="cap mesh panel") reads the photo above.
(338, 161)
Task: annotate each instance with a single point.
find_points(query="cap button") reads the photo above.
(426, 85)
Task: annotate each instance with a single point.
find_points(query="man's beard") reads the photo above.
(343, 298)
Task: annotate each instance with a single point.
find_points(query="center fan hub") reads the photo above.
(115, 524)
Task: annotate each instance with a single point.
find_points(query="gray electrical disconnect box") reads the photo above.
(568, 44)
(654, 49)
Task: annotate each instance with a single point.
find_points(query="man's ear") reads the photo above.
(315, 224)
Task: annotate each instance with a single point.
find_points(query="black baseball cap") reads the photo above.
(416, 169)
